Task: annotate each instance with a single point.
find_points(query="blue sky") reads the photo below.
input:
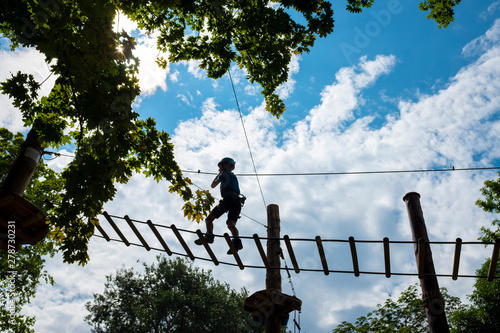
(405, 95)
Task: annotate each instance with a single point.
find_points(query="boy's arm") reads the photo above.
(216, 182)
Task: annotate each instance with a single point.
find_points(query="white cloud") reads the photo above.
(490, 11)
(252, 90)
(238, 74)
(27, 61)
(483, 43)
(340, 99)
(58, 163)
(151, 76)
(174, 77)
(185, 99)
(286, 89)
(10, 116)
(194, 69)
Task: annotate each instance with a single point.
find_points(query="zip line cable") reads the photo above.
(246, 137)
(348, 172)
(333, 173)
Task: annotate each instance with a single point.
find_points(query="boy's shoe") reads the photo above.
(237, 244)
(209, 237)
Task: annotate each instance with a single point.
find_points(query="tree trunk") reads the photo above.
(24, 166)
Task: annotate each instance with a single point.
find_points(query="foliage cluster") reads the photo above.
(171, 296)
(406, 314)
(441, 11)
(481, 315)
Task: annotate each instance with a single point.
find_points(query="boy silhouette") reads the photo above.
(230, 203)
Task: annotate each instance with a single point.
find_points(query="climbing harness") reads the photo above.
(242, 199)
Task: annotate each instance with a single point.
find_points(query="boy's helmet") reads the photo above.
(227, 160)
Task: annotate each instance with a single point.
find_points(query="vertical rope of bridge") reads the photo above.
(295, 324)
(248, 143)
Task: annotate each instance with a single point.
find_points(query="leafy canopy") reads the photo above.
(481, 315)
(170, 296)
(441, 11)
(406, 314)
(490, 202)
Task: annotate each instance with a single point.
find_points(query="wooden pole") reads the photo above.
(494, 261)
(273, 274)
(433, 300)
(24, 165)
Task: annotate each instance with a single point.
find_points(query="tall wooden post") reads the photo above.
(433, 300)
(271, 306)
(24, 165)
(273, 274)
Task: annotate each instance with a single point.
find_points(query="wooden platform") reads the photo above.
(265, 303)
(20, 217)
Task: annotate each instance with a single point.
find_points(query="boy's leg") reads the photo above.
(209, 235)
(232, 217)
(209, 221)
(231, 225)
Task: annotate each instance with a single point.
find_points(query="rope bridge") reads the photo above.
(318, 241)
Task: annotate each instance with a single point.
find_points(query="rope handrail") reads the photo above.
(313, 239)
